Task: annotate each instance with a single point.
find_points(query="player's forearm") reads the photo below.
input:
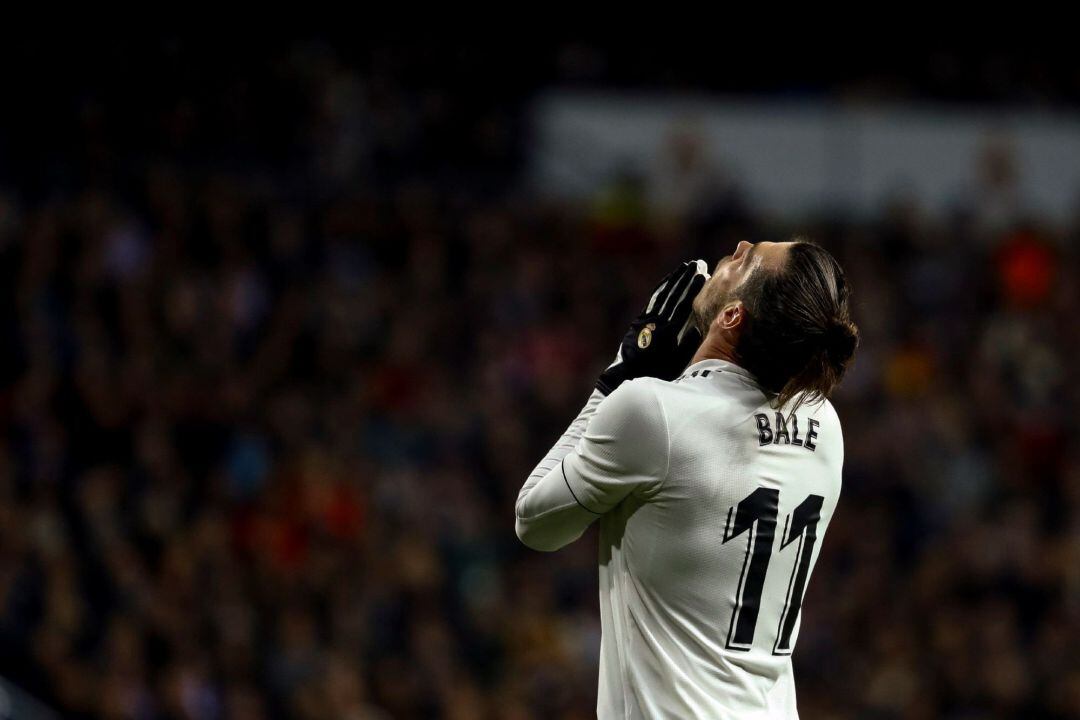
(550, 517)
(547, 514)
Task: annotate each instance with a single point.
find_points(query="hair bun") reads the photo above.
(841, 339)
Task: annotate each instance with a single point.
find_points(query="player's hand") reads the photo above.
(663, 339)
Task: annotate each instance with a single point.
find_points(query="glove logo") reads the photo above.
(645, 336)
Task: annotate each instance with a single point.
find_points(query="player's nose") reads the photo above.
(743, 247)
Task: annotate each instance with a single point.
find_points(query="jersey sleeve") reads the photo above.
(624, 449)
(621, 447)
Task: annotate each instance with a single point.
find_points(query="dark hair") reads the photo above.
(799, 337)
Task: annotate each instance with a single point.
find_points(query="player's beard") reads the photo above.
(706, 307)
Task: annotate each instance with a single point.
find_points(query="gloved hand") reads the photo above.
(663, 339)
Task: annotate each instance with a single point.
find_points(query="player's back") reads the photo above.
(703, 575)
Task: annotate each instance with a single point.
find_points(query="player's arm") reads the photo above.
(618, 443)
(623, 449)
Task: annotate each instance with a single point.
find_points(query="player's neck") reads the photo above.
(715, 347)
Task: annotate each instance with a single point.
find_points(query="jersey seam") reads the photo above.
(573, 494)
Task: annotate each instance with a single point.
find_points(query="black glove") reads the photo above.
(663, 339)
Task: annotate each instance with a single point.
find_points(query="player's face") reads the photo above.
(731, 272)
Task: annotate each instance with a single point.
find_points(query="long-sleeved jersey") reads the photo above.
(712, 507)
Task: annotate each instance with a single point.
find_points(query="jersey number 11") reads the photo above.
(756, 516)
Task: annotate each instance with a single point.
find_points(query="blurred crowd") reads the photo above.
(262, 422)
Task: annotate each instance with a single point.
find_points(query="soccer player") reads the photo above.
(713, 484)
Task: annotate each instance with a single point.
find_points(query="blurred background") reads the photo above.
(285, 323)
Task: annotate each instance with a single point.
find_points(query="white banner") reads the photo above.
(799, 157)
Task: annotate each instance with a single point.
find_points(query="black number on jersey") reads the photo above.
(756, 515)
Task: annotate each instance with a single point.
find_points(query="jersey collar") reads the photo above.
(717, 365)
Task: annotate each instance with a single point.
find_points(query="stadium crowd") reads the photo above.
(260, 440)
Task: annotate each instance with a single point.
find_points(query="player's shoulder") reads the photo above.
(703, 398)
(633, 413)
(637, 397)
(825, 412)
(652, 395)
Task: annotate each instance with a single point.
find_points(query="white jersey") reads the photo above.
(712, 508)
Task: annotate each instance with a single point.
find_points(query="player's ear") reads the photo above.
(732, 317)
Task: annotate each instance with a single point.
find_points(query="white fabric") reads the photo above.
(548, 515)
(662, 465)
